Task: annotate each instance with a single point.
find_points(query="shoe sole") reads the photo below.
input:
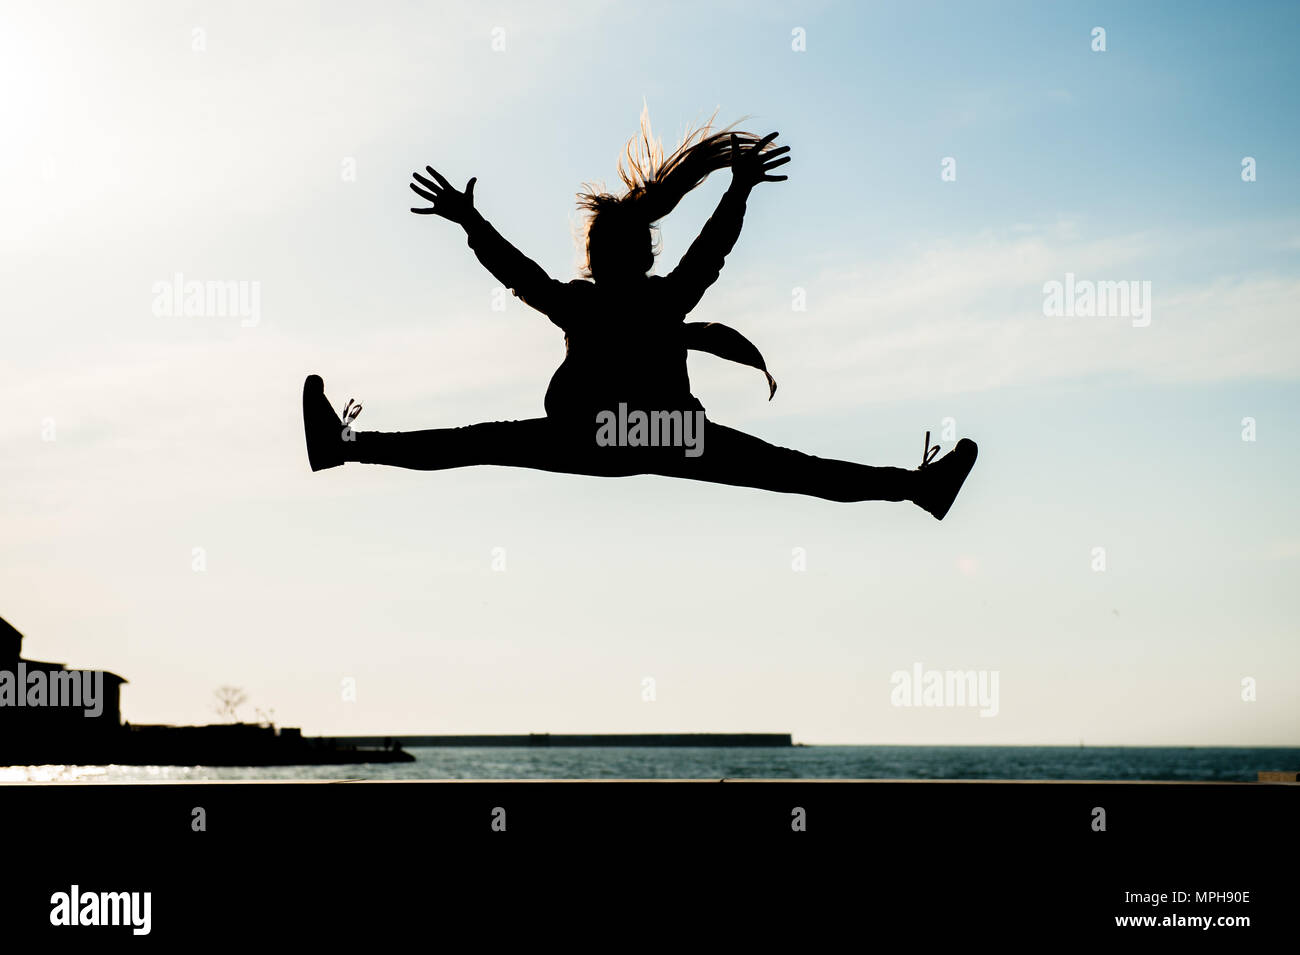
(965, 473)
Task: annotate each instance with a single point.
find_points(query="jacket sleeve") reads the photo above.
(516, 271)
(702, 263)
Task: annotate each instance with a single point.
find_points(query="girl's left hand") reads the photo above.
(447, 201)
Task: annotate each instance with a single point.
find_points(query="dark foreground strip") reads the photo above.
(937, 861)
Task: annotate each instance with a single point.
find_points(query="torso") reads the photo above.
(622, 346)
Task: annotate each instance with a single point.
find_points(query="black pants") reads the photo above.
(727, 456)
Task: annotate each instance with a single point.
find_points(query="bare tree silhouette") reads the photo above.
(229, 700)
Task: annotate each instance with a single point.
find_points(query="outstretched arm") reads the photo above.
(511, 267)
(702, 263)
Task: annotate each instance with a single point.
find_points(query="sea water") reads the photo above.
(1189, 764)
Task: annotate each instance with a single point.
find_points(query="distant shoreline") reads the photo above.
(781, 740)
(583, 739)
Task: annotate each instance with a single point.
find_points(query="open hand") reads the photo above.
(447, 202)
(750, 165)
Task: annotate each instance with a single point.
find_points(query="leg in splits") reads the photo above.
(742, 460)
(538, 443)
(727, 457)
(730, 457)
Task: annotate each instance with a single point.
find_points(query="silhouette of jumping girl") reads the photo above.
(620, 402)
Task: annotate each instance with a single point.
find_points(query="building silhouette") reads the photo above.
(46, 718)
(46, 715)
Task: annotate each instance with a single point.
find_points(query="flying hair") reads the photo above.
(654, 185)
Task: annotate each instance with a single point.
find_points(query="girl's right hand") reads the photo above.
(750, 165)
(447, 202)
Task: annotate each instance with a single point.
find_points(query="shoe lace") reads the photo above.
(353, 409)
(930, 453)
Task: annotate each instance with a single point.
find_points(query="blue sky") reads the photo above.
(136, 156)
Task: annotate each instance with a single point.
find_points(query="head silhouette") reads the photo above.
(620, 233)
(620, 246)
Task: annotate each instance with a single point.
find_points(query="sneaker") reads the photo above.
(325, 431)
(941, 480)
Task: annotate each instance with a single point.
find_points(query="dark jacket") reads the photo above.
(629, 343)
